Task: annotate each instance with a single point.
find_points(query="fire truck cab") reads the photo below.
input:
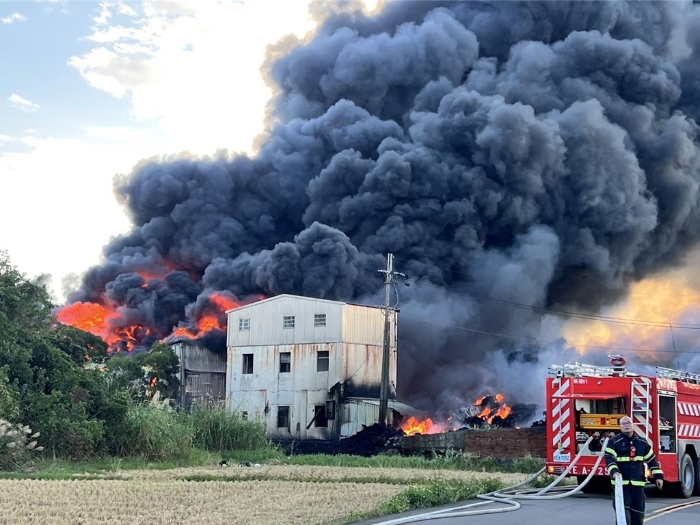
(585, 401)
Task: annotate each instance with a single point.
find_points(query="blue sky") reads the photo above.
(36, 68)
(91, 88)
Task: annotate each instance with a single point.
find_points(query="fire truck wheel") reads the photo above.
(686, 486)
(697, 477)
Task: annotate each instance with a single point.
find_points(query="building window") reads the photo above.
(247, 363)
(319, 320)
(288, 321)
(285, 362)
(244, 325)
(322, 361)
(282, 417)
(320, 419)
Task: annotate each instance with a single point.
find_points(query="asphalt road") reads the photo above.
(573, 510)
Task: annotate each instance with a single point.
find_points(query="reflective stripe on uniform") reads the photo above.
(627, 459)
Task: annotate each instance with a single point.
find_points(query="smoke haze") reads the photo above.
(542, 153)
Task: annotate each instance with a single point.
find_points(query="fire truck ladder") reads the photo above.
(678, 375)
(509, 495)
(641, 406)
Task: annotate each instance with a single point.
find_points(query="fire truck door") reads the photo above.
(668, 434)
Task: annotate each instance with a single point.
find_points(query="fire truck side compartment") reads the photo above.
(584, 401)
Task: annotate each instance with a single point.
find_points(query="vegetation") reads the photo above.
(108, 423)
(85, 404)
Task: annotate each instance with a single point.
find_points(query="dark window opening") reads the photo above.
(288, 321)
(319, 320)
(322, 361)
(282, 417)
(285, 362)
(247, 363)
(320, 416)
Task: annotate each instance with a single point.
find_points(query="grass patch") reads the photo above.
(218, 429)
(262, 476)
(452, 461)
(432, 494)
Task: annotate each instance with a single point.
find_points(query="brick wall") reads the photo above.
(507, 442)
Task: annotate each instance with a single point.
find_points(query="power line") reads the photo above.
(561, 313)
(536, 340)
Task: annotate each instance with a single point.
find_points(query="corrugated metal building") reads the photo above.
(298, 363)
(204, 374)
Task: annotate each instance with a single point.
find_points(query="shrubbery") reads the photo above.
(17, 446)
(219, 430)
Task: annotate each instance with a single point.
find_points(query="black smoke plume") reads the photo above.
(541, 153)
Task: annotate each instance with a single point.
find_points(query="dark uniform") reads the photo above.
(627, 456)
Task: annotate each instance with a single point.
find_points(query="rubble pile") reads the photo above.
(373, 440)
(519, 416)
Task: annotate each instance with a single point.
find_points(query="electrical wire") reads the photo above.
(560, 313)
(540, 341)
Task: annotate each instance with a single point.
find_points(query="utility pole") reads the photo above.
(384, 392)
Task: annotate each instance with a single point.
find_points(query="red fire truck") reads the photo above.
(585, 401)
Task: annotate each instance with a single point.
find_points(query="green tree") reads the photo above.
(45, 383)
(147, 373)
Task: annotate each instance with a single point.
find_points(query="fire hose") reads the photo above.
(509, 495)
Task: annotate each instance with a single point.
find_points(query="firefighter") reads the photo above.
(625, 456)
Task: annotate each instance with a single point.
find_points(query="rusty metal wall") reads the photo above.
(198, 358)
(355, 415)
(353, 337)
(365, 325)
(302, 387)
(266, 322)
(205, 388)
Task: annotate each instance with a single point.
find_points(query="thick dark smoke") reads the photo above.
(542, 153)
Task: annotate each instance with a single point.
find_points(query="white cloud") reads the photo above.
(5, 138)
(59, 197)
(14, 17)
(191, 67)
(22, 103)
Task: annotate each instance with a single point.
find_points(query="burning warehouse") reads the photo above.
(553, 167)
(202, 374)
(310, 368)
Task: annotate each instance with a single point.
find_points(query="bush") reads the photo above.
(152, 431)
(218, 430)
(16, 446)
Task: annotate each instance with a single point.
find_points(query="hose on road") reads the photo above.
(510, 495)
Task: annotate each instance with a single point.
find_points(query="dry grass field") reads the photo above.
(270, 495)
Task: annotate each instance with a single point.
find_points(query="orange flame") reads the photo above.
(212, 320)
(489, 413)
(99, 320)
(414, 425)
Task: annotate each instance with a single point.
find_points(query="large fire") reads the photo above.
(486, 409)
(490, 410)
(414, 425)
(211, 320)
(663, 301)
(124, 329)
(103, 321)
